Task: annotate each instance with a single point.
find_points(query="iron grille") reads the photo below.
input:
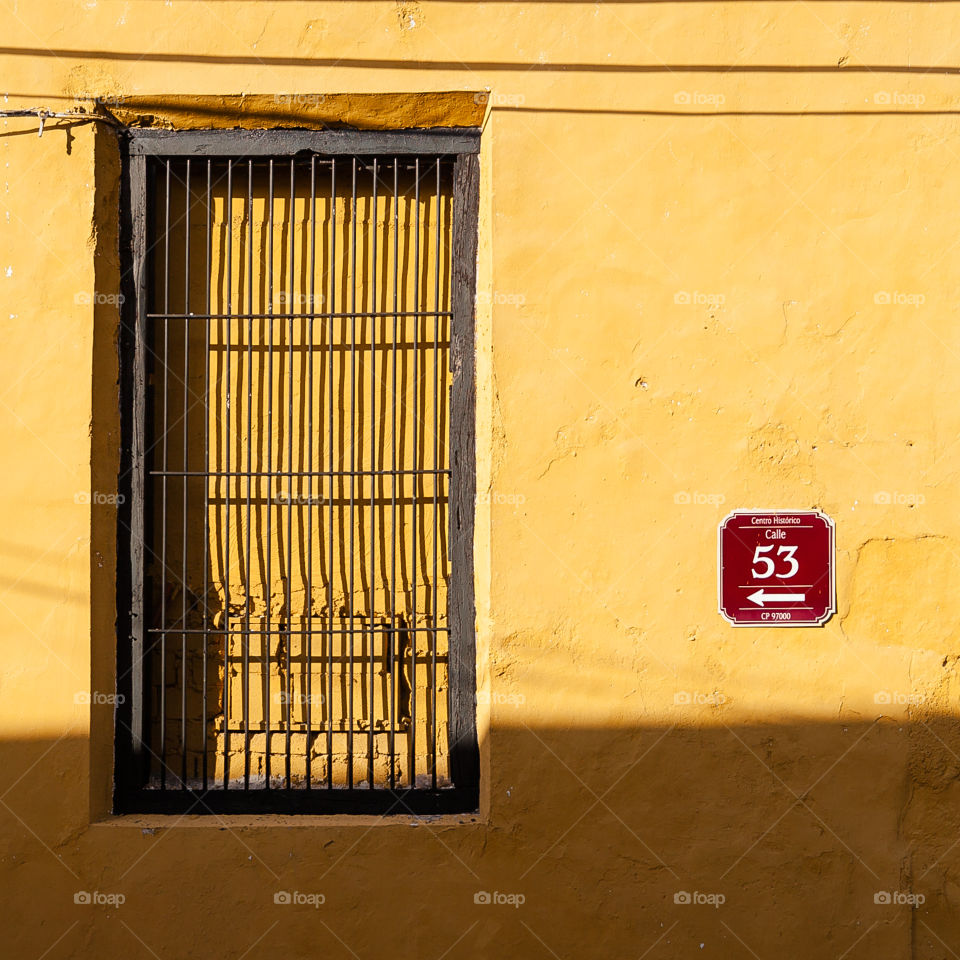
(298, 386)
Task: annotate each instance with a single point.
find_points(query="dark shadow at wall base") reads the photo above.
(807, 840)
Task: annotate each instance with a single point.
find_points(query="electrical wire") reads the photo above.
(44, 115)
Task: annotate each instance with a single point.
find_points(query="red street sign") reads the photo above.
(775, 568)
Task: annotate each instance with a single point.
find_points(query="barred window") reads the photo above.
(295, 579)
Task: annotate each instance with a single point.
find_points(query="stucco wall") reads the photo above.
(718, 258)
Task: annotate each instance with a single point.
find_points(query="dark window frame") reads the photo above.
(130, 767)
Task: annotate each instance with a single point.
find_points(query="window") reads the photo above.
(296, 614)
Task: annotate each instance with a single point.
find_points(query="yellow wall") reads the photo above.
(719, 246)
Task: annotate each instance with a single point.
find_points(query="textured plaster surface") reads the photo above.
(718, 267)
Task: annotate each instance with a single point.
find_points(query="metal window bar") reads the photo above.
(282, 658)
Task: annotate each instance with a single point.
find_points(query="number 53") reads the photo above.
(784, 551)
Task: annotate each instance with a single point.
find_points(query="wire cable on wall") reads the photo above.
(44, 115)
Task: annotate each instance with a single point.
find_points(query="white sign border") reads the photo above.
(831, 609)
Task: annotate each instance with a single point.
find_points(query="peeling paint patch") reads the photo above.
(409, 15)
(775, 450)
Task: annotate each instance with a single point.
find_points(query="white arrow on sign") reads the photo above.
(758, 597)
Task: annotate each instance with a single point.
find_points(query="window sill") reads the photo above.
(150, 823)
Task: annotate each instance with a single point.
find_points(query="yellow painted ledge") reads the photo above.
(362, 111)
